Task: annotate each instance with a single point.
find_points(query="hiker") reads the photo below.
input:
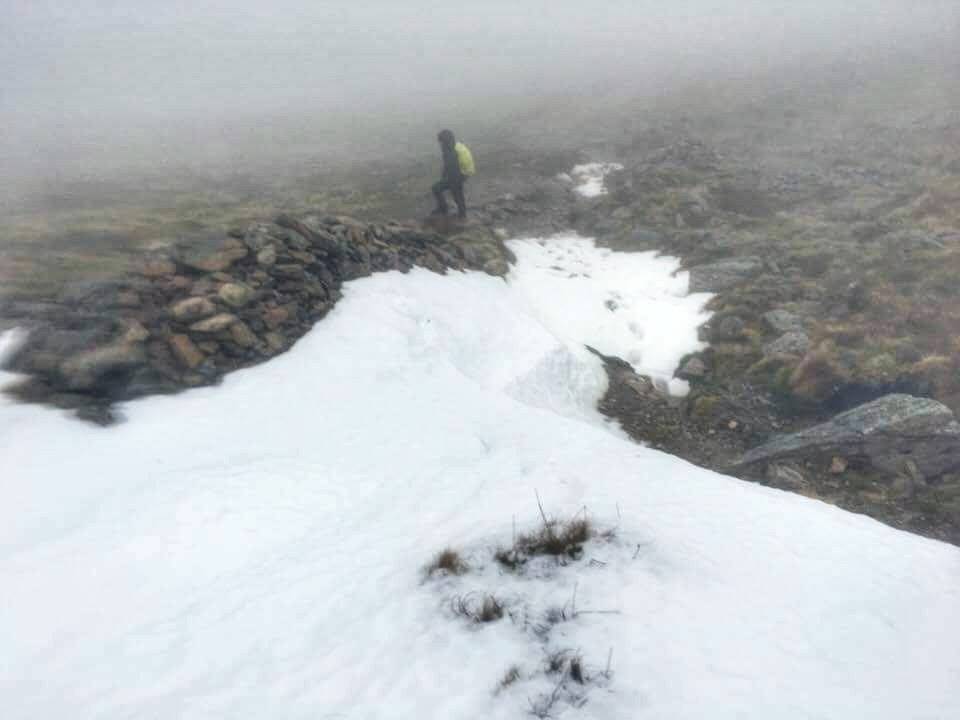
(457, 167)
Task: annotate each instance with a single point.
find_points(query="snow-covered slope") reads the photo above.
(255, 550)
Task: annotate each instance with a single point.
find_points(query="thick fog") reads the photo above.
(92, 87)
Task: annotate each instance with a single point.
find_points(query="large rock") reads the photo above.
(242, 335)
(724, 275)
(895, 434)
(46, 348)
(236, 295)
(218, 323)
(268, 256)
(211, 253)
(258, 236)
(188, 354)
(791, 343)
(89, 369)
(783, 321)
(288, 271)
(192, 309)
(642, 239)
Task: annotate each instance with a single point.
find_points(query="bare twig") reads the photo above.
(546, 523)
(544, 705)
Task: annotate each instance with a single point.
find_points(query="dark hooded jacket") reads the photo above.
(451, 164)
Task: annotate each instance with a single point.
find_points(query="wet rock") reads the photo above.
(86, 370)
(203, 286)
(730, 328)
(211, 253)
(243, 335)
(180, 282)
(276, 341)
(47, 347)
(290, 271)
(102, 415)
(838, 465)
(693, 368)
(185, 351)
(724, 275)
(275, 317)
(258, 236)
(267, 256)
(313, 232)
(192, 309)
(157, 267)
(743, 199)
(792, 343)
(497, 267)
(236, 295)
(693, 209)
(134, 332)
(888, 433)
(218, 323)
(782, 321)
(642, 239)
(785, 477)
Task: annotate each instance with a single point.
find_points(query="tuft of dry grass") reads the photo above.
(446, 562)
(817, 376)
(568, 664)
(511, 676)
(560, 539)
(479, 609)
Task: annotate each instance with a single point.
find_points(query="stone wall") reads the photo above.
(217, 303)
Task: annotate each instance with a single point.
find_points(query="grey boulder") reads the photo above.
(896, 434)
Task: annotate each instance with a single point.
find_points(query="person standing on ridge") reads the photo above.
(457, 167)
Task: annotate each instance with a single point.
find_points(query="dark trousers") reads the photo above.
(456, 189)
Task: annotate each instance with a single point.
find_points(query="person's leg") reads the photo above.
(438, 189)
(458, 196)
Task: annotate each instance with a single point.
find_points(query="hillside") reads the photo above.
(263, 547)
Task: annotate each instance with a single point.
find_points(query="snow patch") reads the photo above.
(635, 306)
(10, 342)
(590, 177)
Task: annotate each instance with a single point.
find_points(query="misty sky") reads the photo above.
(96, 84)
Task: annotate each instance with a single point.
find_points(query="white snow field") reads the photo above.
(255, 550)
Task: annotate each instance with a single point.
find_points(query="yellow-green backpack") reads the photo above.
(465, 159)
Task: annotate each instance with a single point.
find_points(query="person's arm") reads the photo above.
(451, 166)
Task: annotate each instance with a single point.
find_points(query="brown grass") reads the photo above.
(479, 609)
(446, 562)
(559, 539)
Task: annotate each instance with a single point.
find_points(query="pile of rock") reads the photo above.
(219, 302)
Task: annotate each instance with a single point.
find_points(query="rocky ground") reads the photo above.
(836, 312)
